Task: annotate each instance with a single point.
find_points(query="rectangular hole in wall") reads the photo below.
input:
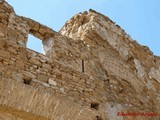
(34, 43)
(83, 66)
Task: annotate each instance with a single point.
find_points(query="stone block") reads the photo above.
(1, 34)
(42, 31)
(5, 54)
(42, 78)
(19, 64)
(52, 82)
(29, 75)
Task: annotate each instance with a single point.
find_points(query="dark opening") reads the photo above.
(27, 81)
(83, 66)
(95, 106)
(98, 118)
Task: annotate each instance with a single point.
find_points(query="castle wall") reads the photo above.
(91, 70)
(32, 85)
(23, 69)
(114, 53)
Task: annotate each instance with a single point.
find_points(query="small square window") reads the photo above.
(34, 43)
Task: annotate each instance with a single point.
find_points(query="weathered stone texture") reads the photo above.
(91, 70)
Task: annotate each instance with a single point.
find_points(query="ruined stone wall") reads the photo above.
(32, 85)
(113, 52)
(90, 71)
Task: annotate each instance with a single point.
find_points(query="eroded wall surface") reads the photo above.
(91, 70)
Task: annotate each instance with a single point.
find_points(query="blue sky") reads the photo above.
(139, 18)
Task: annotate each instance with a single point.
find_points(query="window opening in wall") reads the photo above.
(98, 118)
(95, 106)
(27, 81)
(83, 66)
(34, 43)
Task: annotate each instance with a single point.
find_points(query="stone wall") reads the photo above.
(21, 68)
(113, 53)
(91, 70)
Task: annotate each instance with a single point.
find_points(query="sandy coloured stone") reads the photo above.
(52, 82)
(42, 31)
(5, 54)
(1, 34)
(19, 64)
(91, 70)
(42, 78)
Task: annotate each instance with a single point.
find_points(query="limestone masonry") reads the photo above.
(91, 70)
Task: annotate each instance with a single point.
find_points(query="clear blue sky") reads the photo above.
(139, 18)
